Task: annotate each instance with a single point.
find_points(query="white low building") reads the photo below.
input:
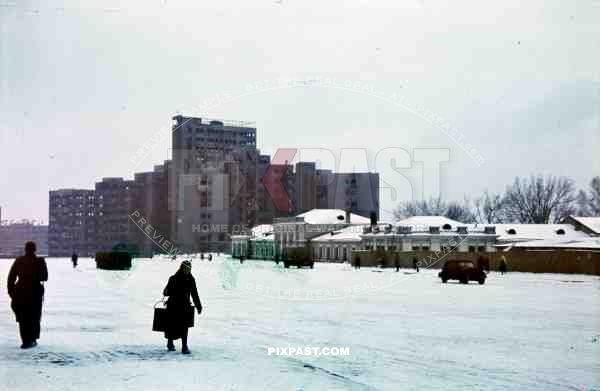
(510, 234)
(338, 245)
(418, 233)
(431, 233)
(296, 232)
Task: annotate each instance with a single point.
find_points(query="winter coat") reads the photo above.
(179, 289)
(25, 279)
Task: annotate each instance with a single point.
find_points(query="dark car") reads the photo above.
(299, 263)
(463, 271)
(299, 257)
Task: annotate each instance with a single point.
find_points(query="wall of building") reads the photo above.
(72, 222)
(518, 260)
(14, 236)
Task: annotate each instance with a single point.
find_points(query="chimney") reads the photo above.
(489, 230)
(347, 217)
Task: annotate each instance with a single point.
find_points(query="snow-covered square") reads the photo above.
(404, 330)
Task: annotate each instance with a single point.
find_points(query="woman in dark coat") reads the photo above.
(26, 290)
(180, 287)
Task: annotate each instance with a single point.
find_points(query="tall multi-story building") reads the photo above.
(305, 187)
(14, 235)
(72, 225)
(213, 187)
(356, 192)
(213, 181)
(114, 204)
(150, 201)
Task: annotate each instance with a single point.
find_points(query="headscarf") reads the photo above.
(186, 265)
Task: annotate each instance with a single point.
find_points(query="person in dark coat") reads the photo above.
(74, 258)
(26, 292)
(503, 265)
(416, 264)
(180, 287)
(357, 262)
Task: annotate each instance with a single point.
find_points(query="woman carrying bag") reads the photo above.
(180, 313)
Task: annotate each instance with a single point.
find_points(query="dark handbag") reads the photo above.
(190, 316)
(159, 323)
(161, 317)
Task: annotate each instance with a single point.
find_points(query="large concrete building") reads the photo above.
(114, 204)
(213, 181)
(151, 204)
(14, 235)
(215, 186)
(72, 225)
(356, 192)
(311, 188)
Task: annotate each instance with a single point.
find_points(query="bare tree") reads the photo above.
(435, 206)
(488, 208)
(460, 211)
(589, 202)
(432, 207)
(539, 200)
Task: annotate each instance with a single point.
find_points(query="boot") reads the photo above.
(185, 350)
(170, 346)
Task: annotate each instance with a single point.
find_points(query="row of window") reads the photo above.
(443, 249)
(218, 131)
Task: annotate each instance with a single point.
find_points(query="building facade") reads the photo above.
(213, 181)
(151, 203)
(14, 235)
(114, 205)
(72, 222)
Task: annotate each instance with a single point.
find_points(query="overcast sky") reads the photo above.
(84, 86)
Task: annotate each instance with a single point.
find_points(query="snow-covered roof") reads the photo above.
(429, 221)
(348, 234)
(262, 232)
(584, 244)
(592, 223)
(528, 232)
(331, 216)
(262, 229)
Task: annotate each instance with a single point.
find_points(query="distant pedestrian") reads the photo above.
(503, 265)
(180, 287)
(26, 290)
(210, 257)
(416, 264)
(483, 263)
(202, 256)
(397, 263)
(357, 262)
(74, 258)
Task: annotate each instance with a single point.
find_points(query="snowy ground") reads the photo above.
(405, 331)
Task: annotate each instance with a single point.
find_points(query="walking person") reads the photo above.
(357, 262)
(26, 291)
(416, 264)
(180, 287)
(74, 258)
(503, 265)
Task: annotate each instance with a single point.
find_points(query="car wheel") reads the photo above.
(463, 281)
(444, 280)
(481, 281)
